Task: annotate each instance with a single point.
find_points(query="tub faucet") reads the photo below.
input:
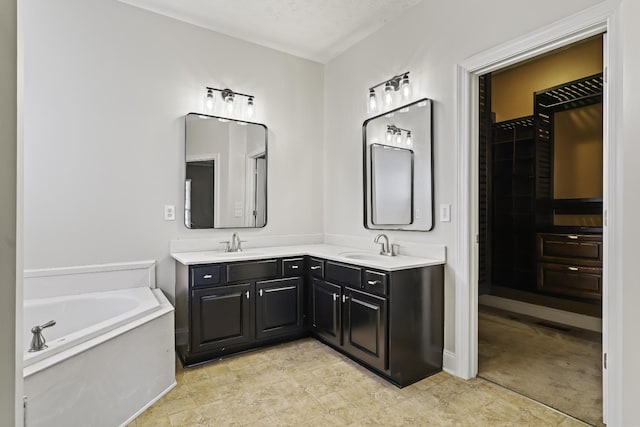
(386, 248)
(38, 341)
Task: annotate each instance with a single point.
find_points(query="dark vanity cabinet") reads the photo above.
(392, 322)
(240, 305)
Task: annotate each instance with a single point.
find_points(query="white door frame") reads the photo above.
(595, 20)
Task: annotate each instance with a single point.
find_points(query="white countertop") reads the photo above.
(335, 253)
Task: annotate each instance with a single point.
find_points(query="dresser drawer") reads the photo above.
(208, 275)
(316, 267)
(292, 267)
(375, 282)
(570, 280)
(582, 248)
(343, 274)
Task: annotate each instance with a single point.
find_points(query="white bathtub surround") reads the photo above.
(111, 354)
(56, 282)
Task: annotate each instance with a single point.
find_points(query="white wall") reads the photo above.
(429, 40)
(107, 86)
(630, 215)
(10, 384)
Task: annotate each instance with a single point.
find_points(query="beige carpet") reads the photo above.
(558, 368)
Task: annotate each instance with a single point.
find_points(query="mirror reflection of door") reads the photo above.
(260, 211)
(199, 211)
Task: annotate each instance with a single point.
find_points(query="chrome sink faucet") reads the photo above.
(235, 245)
(38, 341)
(386, 248)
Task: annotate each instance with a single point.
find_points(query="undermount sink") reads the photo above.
(363, 256)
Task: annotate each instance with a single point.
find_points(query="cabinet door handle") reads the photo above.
(207, 276)
(335, 297)
(315, 267)
(294, 267)
(344, 298)
(573, 237)
(373, 282)
(247, 294)
(573, 268)
(260, 292)
(284, 288)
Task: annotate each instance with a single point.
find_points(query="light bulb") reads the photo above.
(389, 133)
(209, 100)
(388, 94)
(228, 100)
(250, 107)
(405, 85)
(409, 140)
(398, 137)
(373, 101)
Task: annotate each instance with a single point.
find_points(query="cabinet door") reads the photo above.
(325, 311)
(279, 307)
(221, 317)
(365, 327)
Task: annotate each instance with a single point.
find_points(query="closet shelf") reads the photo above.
(574, 94)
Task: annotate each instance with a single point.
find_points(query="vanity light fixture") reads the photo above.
(396, 83)
(229, 102)
(395, 134)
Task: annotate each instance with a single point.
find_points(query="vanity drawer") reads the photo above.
(375, 282)
(208, 275)
(571, 280)
(316, 267)
(583, 248)
(252, 270)
(292, 267)
(342, 273)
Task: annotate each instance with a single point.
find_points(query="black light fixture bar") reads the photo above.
(231, 91)
(394, 81)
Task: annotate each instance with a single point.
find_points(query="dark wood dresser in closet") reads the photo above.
(570, 264)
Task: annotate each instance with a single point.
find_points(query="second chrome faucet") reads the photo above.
(386, 248)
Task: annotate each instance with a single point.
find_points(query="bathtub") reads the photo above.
(110, 354)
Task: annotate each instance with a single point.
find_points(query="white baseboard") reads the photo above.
(449, 364)
(545, 313)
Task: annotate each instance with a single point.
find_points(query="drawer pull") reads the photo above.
(260, 292)
(286, 288)
(247, 294)
(207, 276)
(573, 268)
(294, 267)
(344, 298)
(573, 237)
(315, 267)
(335, 297)
(373, 282)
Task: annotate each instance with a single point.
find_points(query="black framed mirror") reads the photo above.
(398, 168)
(225, 183)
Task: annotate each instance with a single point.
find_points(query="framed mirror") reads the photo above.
(398, 169)
(225, 182)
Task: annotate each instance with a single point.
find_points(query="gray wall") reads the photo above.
(107, 86)
(8, 150)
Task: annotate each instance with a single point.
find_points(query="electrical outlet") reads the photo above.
(445, 212)
(169, 212)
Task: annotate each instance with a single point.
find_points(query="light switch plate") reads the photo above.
(445, 212)
(169, 212)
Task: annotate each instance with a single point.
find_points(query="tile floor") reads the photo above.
(305, 383)
(558, 368)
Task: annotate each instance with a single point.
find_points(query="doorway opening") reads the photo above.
(540, 206)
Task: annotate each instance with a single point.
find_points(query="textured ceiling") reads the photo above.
(314, 29)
